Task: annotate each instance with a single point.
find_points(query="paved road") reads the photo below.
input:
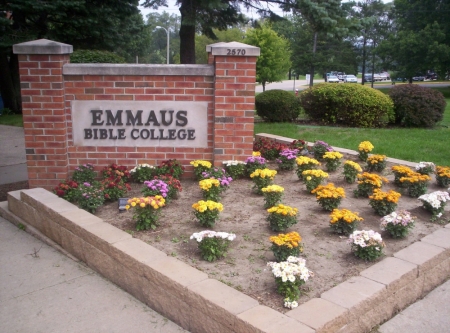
(301, 85)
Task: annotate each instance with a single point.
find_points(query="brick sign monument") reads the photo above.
(128, 114)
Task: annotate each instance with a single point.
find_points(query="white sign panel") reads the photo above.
(140, 123)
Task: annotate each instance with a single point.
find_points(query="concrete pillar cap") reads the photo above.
(42, 46)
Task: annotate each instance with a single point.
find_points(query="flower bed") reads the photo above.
(327, 254)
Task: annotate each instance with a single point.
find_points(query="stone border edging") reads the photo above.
(200, 304)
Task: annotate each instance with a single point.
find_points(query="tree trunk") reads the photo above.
(9, 82)
(364, 55)
(187, 32)
(311, 75)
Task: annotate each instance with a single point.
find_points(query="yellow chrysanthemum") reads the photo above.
(376, 159)
(390, 196)
(155, 202)
(365, 146)
(304, 160)
(415, 177)
(202, 206)
(264, 173)
(290, 240)
(283, 210)
(332, 155)
(256, 153)
(328, 191)
(443, 171)
(401, 170)
(202, 163)
(272, 188)
(353, 165)
(315, 173)
(206, 184)
(371, 178)
(344, 215)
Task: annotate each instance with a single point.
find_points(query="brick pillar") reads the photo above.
(41, 64)
(234, 99)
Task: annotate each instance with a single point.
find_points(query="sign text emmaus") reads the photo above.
(139, 124)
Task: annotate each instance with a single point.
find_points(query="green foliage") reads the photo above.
(213, 248)
(95, 56)
(274, 60)
(90, 196)
(417, 106)
(84, 173)
(398, 230)
(409, 144)
(282, 252)
(343, 227)
(347, 104)
(226, 36)
(281, 217)
(277, 106)
(143, 172)
(114, 188)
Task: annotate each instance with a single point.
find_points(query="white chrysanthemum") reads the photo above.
(199, 236)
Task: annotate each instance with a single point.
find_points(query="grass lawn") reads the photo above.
(11, 120)
(410, 144)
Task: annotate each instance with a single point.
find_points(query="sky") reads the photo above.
(172, 9)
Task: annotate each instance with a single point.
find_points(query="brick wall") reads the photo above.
(49, 83)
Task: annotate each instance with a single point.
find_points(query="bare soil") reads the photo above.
(327, 254)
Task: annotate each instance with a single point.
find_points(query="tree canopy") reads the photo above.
(86, 24)
(274, 60)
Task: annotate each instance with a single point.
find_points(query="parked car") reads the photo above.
(376, 78)
(431, 76)
(341, 76)
(418, 78)
(333, 79)
(350, 79)
(384, 76)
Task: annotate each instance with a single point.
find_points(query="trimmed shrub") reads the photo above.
(277, 106)
(347, 104)
(95, 56)
(417, 106)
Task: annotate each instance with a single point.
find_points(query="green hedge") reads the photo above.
(347, 104)
(277, 106)
(95, 56)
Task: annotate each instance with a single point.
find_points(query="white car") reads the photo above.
(350, 79)
(333, 79)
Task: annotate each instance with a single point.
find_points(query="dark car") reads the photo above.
(431, 76)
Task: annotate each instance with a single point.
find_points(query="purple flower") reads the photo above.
(87, 184)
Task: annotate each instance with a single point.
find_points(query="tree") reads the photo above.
(109, 25)
(374, 20)
(201, 41)
(332, 52)
(159, 37)
(422, 40)
(274, 60)
(203, 16)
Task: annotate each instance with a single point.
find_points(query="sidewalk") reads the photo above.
(42, 290)
(13, 167)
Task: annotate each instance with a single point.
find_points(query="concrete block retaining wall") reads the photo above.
(200, 304)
